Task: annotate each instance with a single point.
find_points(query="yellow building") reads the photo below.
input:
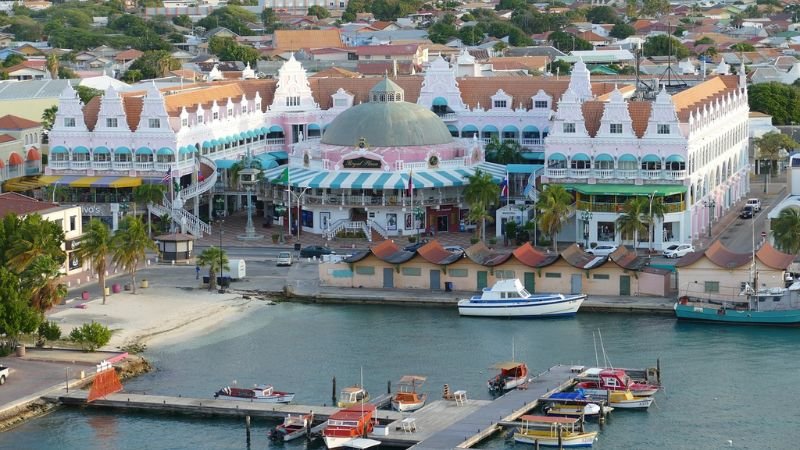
(719, 274)
(431, 267)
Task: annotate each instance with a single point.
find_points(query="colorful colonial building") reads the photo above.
(347, 158)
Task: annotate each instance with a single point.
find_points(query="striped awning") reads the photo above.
(86, 182)
(364, 179)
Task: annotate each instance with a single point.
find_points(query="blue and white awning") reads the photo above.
(364, 179)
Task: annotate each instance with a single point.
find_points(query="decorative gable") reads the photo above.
(154, 117)
(293, 92)
(542, 101)
(111, 116)
(69, 116)
(341, 100)
(663, 118)
(501, 100)
(580, 81)
(616, 121)
(568, 120)
(440, 88)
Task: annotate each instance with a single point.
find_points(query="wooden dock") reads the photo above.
(484, 421)
(212, 407)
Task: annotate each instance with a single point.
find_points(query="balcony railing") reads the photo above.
(143, 165)
(80, 164)
(673, 175)
(583, 205)
(277, 195)
(102, 165)
(122, 165)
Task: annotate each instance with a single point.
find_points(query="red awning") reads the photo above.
(34, 155)
(14, 159)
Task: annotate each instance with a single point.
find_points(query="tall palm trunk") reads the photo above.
(102, 277)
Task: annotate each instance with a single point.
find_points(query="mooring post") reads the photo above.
(536, 444)
(333, 392)
(247, 427)
(560, 442)
(658, 370)
(389, 387)
(601, 420)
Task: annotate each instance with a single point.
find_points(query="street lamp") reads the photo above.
(248, 177)
(710, 204)
(586, 216)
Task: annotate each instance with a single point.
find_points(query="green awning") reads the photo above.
(626, 189)
(533, 156)
(523, 168)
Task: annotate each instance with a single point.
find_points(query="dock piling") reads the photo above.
(389, 387)
(560, 440)
(658, 370)
(333, 392)
(247, 427)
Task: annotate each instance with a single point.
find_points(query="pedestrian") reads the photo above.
(197, 272)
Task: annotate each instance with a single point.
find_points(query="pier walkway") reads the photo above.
(484, 421)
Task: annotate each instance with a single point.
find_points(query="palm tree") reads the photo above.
(655, 212)
(46, 290)
(506, 152)
(149, 194)
(52, 65)
(38, 238)
(479, 215)
(786, 231)
(129, 245)
(95, 246)
(217, 260)
(481, 193)
(554, 206)
(633, 219)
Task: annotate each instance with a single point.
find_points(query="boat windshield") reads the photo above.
(524, 293)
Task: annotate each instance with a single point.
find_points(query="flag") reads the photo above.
(284, 177)
(504, 187)
(411, 184)
(167, 176)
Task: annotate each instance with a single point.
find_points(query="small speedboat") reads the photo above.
(626, 400)
(576, 410)
(293, 427)
(348, 424)
(509, 298)
(263, 393)
(596, 381)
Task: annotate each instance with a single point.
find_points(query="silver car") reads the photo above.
(602, 250)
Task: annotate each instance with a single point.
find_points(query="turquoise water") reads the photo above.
(722, 383)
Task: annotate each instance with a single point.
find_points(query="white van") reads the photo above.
(284, 259)
(755, 203)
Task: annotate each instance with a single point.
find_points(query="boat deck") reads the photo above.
(481, 423)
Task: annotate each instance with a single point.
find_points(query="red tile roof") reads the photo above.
(6, 138)
(385, 50)
(18, 204)
(773, 258)
(128, 55)
(11, 122)
(483, 255)
(531, 257)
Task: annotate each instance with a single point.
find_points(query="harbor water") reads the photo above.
(725, 387)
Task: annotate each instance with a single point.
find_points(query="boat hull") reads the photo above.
(741, 317)
(545, 439)
(407, 406)
(648, 392)
(283, 398)
(637, 403)
(521, 308)
(587, 410)
(336, 441)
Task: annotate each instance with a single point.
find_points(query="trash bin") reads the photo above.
(224, 281)
(85, 295)
(116, 288)
(448, 286)
(107, 290)
(20, 350)
(206, 280)
(145, 284)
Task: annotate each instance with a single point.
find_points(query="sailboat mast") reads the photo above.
(754, 275)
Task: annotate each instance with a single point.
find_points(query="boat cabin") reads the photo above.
(353, 395)
(565, 424)
(505, 289)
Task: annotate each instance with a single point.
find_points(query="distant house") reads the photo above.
(27, 70)
(293, 40)
(410, 52)
(220, 32)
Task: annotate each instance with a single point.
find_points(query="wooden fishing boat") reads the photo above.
(293, 427)
(407, 398)
(352, 395)
(547, 431)
(512, 375)
(347, 424)
(262, 393)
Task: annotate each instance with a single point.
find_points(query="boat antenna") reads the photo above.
(606, 362)
(596, 359)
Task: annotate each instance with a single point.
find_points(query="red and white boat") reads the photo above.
(262, 393)
(293, 427)
(512, 375)
(407, 399)
(599, 381)
(347, 424)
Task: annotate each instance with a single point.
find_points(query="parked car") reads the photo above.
(678, 250)
(602, 250)
(315, 251)
(755, 203)
(746, 212)
(284, 259)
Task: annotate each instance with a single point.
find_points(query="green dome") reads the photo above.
(387, 124)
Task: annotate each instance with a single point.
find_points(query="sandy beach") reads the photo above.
(155, 315)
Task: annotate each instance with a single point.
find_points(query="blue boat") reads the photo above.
(773, 306)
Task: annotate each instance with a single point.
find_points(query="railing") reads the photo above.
(334, 228)
(195, 225)
(367, 232)
(673, 175)
(143, 165)
(122, 165)
(580, 173)
(377, 227)
(276, 141)
(58, 164)
(557, 173)
(584, 205)
(448, 117)
(80, 165)
(102, 165)
(196, 189)
(651, 174)
(162, 167)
